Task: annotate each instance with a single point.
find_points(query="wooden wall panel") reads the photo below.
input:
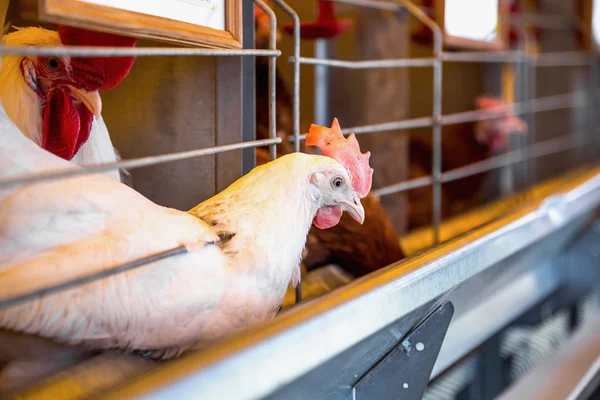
(166, 104)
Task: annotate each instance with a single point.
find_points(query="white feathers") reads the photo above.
(98, 149)
(57, 231)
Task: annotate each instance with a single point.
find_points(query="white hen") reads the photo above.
(55, 231)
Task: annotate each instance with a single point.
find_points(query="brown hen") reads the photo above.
(462, 144)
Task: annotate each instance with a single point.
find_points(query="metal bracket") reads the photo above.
(404, 372)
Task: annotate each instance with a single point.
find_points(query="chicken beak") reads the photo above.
(355, 209)
(91, 100)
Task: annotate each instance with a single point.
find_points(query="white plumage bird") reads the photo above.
(243, 248)
(55, 101)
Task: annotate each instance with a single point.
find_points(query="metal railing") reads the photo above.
(437, 119)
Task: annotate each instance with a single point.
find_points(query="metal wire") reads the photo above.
(73, 283)
(272, 78)
(89, 169)
(399, 63)
(296, 64)
(537, 150)
(88, 51)
(541, 104)
(296, 94)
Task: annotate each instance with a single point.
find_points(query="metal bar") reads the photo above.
(248, 89)
(272, 77)
(541, 104)
(482, 56)
(133, 163)
(436, 115)
(556, 145)
(554, 59)
(380, 5)
(321, 85)
(552, 146)
(73, 283)
(564, 59)
(397, 63)
(548, 22)
(404, 186)
(87, 51)
(548, 103)
(296, 95)
(423, 122)
(537, 105)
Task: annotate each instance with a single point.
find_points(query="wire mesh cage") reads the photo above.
(523, 155)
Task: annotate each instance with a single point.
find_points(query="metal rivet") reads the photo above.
(405, 386)
(420, 346)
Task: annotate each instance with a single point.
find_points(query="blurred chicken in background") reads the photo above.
(359, 249)
(462, 144)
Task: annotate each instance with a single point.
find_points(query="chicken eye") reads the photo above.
(337, 183)
(52, 62)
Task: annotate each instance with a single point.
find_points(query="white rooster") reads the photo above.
(243, 248)
(55, 101)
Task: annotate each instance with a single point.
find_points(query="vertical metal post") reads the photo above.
(272, 78)
(532, 129)
(296, 93)
(321, 84)
(296, 63)
(248, 90)
(592, 140)
(522, 89)
(437, 113)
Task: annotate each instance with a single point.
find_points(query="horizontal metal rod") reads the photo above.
(379, 5)
(130, 164)
(73, 283)
(383, 127)
(484, 56)
(549, 103)
(564, 59)
(549, 22)
(89, 51)
(555, 59)
(398, 63)
(552, 146)
(404, 186)
(545, 148)
(422, 122)
(541, 104)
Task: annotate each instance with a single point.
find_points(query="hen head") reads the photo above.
(349, 182)
(494, 132)
(68, 87)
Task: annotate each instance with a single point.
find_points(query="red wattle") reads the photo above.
(327, 217)
(66, 125)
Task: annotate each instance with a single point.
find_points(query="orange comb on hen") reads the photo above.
(332, 144)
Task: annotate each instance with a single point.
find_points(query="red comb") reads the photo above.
(325, 27)
(97, 73)
(332, 144)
